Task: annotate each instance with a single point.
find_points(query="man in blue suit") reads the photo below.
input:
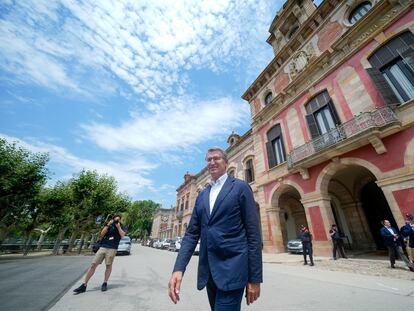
(392, 241)
(224, 218)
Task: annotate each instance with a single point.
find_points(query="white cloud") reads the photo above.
(129, 172)
(171, 125)
(140, 42)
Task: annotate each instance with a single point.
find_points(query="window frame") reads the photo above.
(249, 170)
(398, 50)
(356, 10)
(266, 98)
(275, 156)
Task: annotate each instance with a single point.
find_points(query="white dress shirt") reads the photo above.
(215, 189)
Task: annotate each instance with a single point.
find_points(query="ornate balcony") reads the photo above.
(366, 128)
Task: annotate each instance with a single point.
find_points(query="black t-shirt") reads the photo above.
(112, 237)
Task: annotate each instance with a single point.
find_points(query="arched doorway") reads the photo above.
(358, 207)
(291, 214)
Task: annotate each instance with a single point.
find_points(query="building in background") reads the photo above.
(162, 224)
(332, 138)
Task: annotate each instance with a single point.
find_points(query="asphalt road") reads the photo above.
(139, 282)
(36, 283)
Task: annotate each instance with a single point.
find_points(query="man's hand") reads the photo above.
(252, 292)
(174, 286)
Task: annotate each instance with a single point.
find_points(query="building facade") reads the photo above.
(333, 121)
(162, 224)
(332, 137)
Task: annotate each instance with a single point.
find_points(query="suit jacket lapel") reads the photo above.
(206, 201)
(228, 185)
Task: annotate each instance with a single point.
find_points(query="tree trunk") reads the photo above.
(59, 239)
(27, 244)
(82, 238)
(72, 240)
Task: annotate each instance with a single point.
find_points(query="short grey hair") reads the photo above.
(223, 153)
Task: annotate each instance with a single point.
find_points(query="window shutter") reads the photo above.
(333, 112)
(408, 57)
(313, 127)
(382, 86)
(270, 154)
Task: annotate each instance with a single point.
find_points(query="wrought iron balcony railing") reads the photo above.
(361, 123)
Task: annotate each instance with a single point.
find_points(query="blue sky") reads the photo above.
(134, 89)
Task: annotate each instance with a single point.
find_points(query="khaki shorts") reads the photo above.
(107, 253)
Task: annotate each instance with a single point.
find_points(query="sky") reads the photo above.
(138, 90)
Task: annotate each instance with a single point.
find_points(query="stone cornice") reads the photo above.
(347, 45)
(313, 25)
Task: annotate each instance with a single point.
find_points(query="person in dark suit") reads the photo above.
(225, 220)
(407, 231)
(306, 238)
(337, 242)
(392, 240)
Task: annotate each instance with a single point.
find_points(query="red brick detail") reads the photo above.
(405, 200)
(282, 80)
(328, 35)
(318, 229)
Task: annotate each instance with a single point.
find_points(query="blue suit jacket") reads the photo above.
(389, 238)
(230, 241)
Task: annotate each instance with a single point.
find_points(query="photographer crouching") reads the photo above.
(110, 235)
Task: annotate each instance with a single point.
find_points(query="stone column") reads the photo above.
(274, 242)
(320, 217)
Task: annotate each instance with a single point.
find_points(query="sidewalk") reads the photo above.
(365, 265)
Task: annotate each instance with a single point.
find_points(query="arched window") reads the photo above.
(268, 98)
(393, 69)
(359, 11)
(274, 146)
(249, 171)
(322, 116)
(231, 172)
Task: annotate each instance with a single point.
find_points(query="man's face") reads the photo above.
(216, 165)
(387, 223)
(117, 218)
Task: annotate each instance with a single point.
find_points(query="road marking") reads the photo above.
(393, 288)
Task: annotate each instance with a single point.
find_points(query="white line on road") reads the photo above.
(393, 288)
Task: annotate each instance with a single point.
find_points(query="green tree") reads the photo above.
(139, 217)
(23, 174)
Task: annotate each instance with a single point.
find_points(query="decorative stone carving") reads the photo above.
(300, 60)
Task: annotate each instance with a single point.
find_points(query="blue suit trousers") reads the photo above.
(223, 300)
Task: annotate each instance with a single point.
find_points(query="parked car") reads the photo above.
(124, 246)
(165, 243)
(157, 244)
(175, 245)
(295, 246)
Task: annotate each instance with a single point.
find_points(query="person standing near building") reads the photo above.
(392, 241)
(111, 234)
(407, 231)
(306, 238)
(337, 242)
(225, 220)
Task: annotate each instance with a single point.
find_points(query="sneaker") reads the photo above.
(311, 264)
(80, 289)
(104, 287)
(392, 266)
(305, 263)
(411, 269)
